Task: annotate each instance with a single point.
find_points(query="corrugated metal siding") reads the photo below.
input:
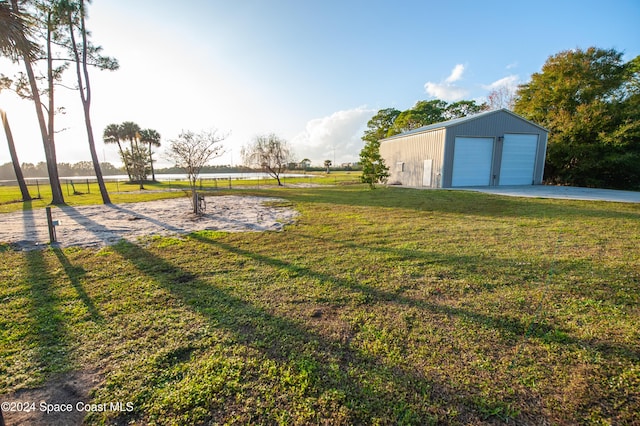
(405, 154)
(493, 125)
(542, 157)
(405, 157)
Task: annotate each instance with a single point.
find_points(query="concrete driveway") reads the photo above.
(561, 192)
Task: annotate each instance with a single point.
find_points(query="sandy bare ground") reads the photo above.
(71, 388)
(95, 226)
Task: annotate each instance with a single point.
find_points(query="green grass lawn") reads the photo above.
(80, 192)
(386, 306)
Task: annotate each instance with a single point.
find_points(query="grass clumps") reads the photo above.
(391, 306)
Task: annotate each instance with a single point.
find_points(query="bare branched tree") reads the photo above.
(270, 153)
(501, 97)
(192, 151)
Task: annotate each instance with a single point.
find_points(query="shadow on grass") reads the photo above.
(359, 376)
(75, 274)
(513, 328)
(455, 202)
(48, 321)
(28, 215)
(147, 218)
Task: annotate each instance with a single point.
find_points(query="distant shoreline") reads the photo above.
(161, 177)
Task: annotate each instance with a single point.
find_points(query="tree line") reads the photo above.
(39, 170)
(85, 168)
(589, 100)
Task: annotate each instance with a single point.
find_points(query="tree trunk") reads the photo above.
(47, 139)
(14, 159)
(52, 161)
(194, 198)
(86, 100)
(94, 158)
(153, 173)
(124, 161)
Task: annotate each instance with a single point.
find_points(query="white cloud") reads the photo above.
(335, 137)
(446, 90)
(456, 74)
(510, 82)
(512, 65)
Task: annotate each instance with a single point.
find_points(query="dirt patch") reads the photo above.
(100, 225)
(70, 390)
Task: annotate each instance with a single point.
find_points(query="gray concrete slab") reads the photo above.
(560, 192)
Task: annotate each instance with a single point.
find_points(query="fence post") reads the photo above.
(88, 190)
(52, 229)
(38, 186)
(229, 182)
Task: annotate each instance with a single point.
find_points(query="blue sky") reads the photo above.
(313, 72)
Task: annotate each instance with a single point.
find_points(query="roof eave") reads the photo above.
(456, 122)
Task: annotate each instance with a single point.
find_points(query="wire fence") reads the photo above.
(39, 187)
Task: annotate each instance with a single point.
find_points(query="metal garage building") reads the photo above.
(487, 149)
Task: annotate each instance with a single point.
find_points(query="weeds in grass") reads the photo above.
(377, 307)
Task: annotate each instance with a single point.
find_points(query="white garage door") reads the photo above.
(518, 159)
(472, 159)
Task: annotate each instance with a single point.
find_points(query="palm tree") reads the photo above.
(151, 137)
(26, 53)
(13, 39)
(14, 31)
(129, 131)
(327, 164)
(113, 134)
(134, 156)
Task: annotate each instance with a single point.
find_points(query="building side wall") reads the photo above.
(405, 158)
(538, 175)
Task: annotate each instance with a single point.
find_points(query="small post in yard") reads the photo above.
(196, 207)
(52, 226)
